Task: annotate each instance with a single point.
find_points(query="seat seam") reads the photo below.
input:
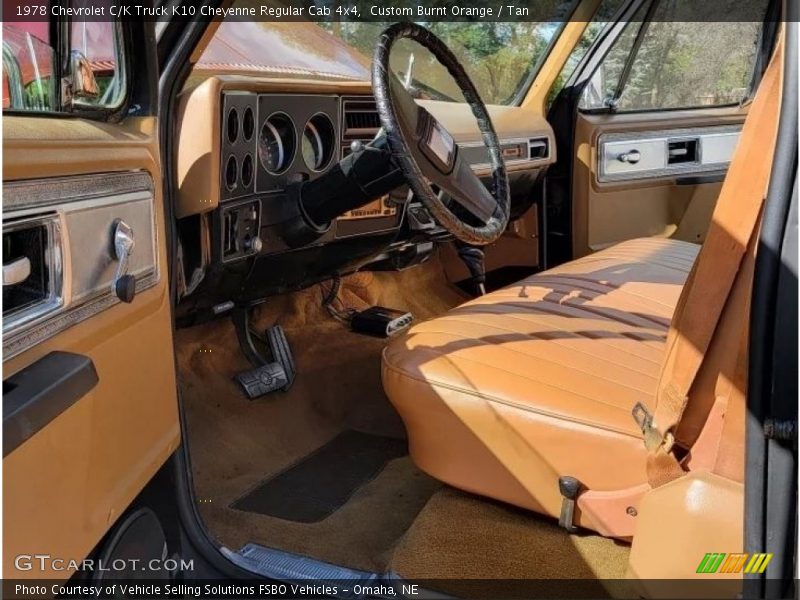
(549, 341)
(656, 262)
(537, 322)
(489, 366)
(523, 407)
(615, 288)
(598, 314)
(537, 381)
(636, 255)
(633, 260)
(652, 242)
(600, 310)
(641, 255)
(579, 308)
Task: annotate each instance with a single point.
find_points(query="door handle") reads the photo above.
(17, 271)
(632, 157)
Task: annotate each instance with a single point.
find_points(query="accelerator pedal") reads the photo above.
(282, 353)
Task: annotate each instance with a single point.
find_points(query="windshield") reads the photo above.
(501, 58)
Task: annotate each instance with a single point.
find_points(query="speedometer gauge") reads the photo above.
(319, 141)
(276, 143)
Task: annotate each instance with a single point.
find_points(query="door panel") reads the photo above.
(85, 458)
(666, 153)
(649, 197)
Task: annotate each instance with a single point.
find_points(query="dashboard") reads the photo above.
(243, 142)
(299, 138)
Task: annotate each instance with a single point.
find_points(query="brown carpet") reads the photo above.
(459, 536)
(235, 443)
(402, 519)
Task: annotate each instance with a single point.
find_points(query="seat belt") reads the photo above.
(710, 282)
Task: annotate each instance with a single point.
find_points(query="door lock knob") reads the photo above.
(632, 157)
(124, 285)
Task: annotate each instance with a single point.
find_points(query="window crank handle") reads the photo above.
(124, 284)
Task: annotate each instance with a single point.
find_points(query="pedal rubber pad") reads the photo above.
(282, 353)
(262, 380)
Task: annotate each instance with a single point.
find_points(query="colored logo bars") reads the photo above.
(719, 562)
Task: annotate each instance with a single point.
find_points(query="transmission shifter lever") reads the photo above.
(473, 258)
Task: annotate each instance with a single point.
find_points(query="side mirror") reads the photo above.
(84, 85)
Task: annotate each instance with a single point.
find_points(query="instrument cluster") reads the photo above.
(269, 140)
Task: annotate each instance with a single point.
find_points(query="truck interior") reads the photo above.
(542, 329)
(465, 303)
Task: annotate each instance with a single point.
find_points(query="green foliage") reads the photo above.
(498, 56)
(38, 94)
(691, 64)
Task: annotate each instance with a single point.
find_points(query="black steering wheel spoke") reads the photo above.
(466, 188)
(408, 111)
(428, 155)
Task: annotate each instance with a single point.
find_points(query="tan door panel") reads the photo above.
(68, 482)
(605, 213)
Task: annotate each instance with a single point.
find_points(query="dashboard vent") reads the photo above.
(361, 120)
(538, 148)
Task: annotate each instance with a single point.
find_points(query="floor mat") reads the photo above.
(322, 482)
(459, 537)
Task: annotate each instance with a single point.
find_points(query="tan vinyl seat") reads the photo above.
(506, 393)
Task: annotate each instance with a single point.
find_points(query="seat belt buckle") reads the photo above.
(653, 438)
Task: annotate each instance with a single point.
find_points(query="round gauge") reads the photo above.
(233, 125)
(319, 141)
(231, 172)
(248, 124)
(247, 170)
(276, 143)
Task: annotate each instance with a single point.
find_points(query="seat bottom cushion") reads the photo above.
(506, 393)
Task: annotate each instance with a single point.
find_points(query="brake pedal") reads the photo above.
(263, 380)
(282, 353)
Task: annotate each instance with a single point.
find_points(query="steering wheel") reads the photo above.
(427, 154)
